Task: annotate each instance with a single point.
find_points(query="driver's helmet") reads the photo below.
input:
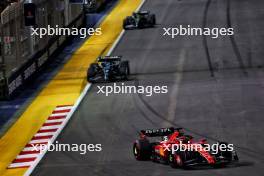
(106, 64)
(164, 138)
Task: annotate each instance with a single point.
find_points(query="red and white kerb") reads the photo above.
(29, 154)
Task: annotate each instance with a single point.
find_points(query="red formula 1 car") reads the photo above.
(179, 150)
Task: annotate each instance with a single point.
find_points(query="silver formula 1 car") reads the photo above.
(141, 19)
(108, 69)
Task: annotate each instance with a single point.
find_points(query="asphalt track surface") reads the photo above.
(228, 106)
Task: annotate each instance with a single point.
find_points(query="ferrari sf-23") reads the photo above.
(158, 145)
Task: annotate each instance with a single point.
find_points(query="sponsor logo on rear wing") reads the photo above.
(159, 132)
(109, 58)
(143, 12)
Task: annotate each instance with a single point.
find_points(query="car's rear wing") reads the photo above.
(143, 12)
(109, 58)
(159, 132)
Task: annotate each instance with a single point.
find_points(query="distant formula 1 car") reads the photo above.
(141, 19)
(161, 150)
(107, 69)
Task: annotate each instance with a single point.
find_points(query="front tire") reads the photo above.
(142, 149)
(226, 154)
(141, 24)
(235, 156)
(153, 20)
(124, 69)
(177, 160)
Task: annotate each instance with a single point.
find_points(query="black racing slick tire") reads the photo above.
(142, 149)
(177, 160)
(92, 71)
(235, 156)
(124, 69)
(153, 19)
(141, 23)
(227, 154)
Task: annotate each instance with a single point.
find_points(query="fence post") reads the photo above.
(3, 79)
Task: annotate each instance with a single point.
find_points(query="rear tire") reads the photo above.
(226, 154)
(177, 160)
(92, 71)
(141, 24)
(124, 69)
(235, 156)
(142, 149)
(153, 19)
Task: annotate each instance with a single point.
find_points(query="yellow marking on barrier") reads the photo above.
(63, 89)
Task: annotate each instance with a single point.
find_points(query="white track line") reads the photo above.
(38, 141)
(50, 127)
(63, 108)
(55, 120)
(16, 165)
(59, 127)
(87, 87)
(44, 134)
(35, 148)
(122, 33)
(27, 156)
(59, 114)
